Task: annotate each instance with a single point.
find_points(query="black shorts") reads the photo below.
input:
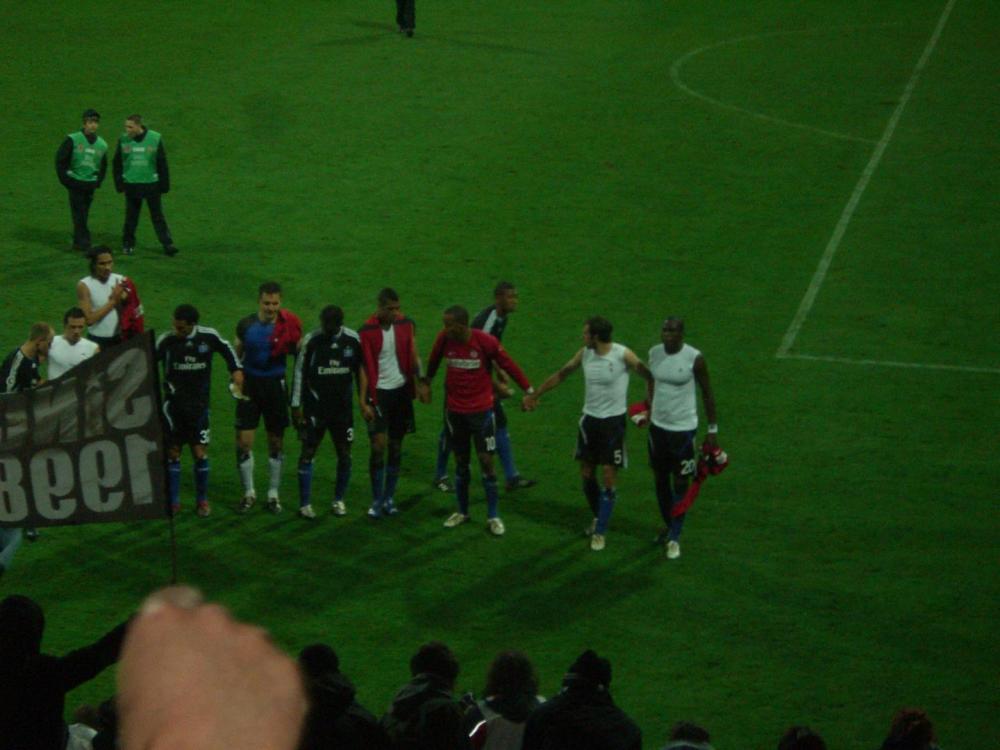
(601, 442)
(187, 424)
(672, 451)
(340, 427)
(478, 428)
(393, 414)
(267, 398)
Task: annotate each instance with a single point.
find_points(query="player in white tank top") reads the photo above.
(677, 368)
(99, 294)
(606, 366)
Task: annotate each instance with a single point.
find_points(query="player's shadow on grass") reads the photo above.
(454, 41)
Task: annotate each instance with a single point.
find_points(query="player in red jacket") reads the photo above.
(469, 355)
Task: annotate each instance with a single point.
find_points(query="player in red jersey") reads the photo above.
(468, 354)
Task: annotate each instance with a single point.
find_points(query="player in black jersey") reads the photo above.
(492, 320)
(19, 372)
(323, 387)
(186, 355)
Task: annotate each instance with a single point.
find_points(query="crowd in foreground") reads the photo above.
(192, 677)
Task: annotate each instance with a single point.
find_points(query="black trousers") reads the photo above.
(134, 196)
(79, 209)
(406, 14)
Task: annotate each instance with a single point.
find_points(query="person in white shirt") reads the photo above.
(99, 294)
(70, 348)
(601, 435)
(676, 368)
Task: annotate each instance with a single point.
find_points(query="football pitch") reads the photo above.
(811, 185)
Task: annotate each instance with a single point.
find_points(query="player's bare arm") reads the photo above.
(422, 387)
(707, 398)
(95, 315)
(637, 366)
(530, 401)
(367, 412)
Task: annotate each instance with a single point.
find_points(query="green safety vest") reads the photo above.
(139, 158)
(86, 162)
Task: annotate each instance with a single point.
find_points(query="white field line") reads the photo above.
(890, 363)
(845, 218)
(675, 76)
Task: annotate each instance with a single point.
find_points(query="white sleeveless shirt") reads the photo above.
(65, 356)
(107, 326)
(674, 404)
(606, 376)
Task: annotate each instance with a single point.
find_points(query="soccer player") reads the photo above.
(469, 354)
(19, 372)
(601, 436)
(99, 294)
(263, 341)
(70, 348)
(676, 367)
(492, 320)
(186, 355)
(327, 370)
(390, 380)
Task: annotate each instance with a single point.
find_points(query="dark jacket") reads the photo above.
(64, 158)
(336, 720)
(425, 716)
(581, 717)
(33, 692)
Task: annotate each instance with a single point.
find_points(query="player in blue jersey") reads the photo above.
(263, 341)
(327, 374)
(186, 356)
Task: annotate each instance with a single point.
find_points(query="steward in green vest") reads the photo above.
(81, 163)
(140, 170)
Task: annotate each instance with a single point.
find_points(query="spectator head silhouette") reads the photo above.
(437, 659)
(22, 623)
(511, 674)
(801, 738)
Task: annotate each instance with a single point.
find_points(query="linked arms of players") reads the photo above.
(530, 400)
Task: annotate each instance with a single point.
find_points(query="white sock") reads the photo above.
(274, 464)
(246, 473)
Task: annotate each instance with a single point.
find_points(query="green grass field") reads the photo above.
(633, 159)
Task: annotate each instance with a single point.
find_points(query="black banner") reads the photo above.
(86, 447)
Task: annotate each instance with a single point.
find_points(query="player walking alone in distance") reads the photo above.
(600, 438)
(676, 367)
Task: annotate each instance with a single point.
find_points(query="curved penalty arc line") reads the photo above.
(675, 76)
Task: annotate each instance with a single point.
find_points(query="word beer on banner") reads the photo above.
(86, 447)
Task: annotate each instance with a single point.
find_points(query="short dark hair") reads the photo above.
(95, 252)
(459, 314)
(268, 287)
(675, 319)
(591, 668)
(511, 674)
(600, 328)
(689, 731)
(331, 318)
(73, 312)
(187, 313)
(801, 738)
(502, 288)
(911, 729)
(91, 114)
(137, 119)
(318, 659)
(437, 659)
(388, 294)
